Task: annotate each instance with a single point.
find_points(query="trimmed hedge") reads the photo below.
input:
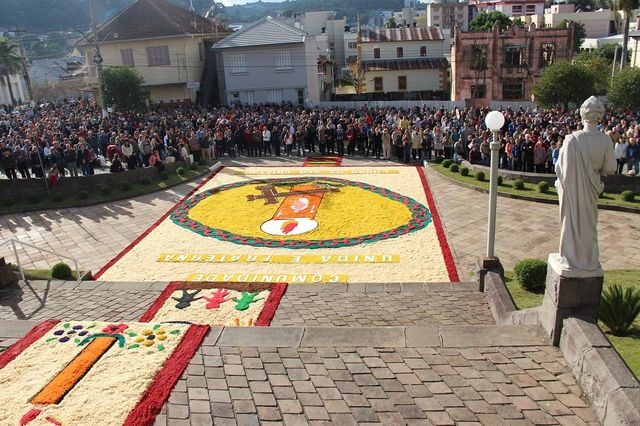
(531, 274)
(454, 168)
(446, 163)
(627, 195)
(464, 171)
(518, 184)
(543, 187)
(61, 271)
(479, 176)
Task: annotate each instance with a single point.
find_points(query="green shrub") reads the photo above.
(8, 201)
(145, 180)
(193, 166)
(454, 168)
(518, 184)
(446, 163)
(125, 186)
(57, 197)
(627, 195)
(464, 171)
(500, 180)
(619, 308)
(479, 176)
(531, 274)
(83, 195)
(164, 175)
(180, 171)
(61, 271)
(543, 187)
(34, 199)
(439, 159)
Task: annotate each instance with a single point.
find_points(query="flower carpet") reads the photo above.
(217, 304)
(322, 161)
(295, 225)
(94, 373)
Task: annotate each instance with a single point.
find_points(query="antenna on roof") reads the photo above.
(191, 8)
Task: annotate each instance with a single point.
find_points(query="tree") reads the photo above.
(357, 77)
(485, 21)
(564, 83)
(625, 88)
(627, 6)
(608, 53)
(579, 32)
(390, 22)
(600, 69)
(10, 63)
(122, 88)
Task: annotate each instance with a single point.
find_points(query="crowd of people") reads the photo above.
(72, 138)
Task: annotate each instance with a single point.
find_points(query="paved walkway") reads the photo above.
(338, 354)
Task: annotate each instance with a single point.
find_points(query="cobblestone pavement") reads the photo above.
(382, 309)
(387, 386)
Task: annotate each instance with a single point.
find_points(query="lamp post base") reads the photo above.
(488, 264)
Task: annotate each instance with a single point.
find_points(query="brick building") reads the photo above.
(495, 65)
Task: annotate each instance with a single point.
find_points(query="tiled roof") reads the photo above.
(402, 34)
(405, 64)
(155, 18)
(265, 31)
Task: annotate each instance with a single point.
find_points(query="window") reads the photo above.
(376, 53)
(377, 84)
(423, 51)
(512, 90)
(399, 52)
(352, 45)
(531, 9)
(300, 96)
(158, 55)
(478, 91)
(238, 63)
(402, 82)
(516, 9)
(250, 99)
(283, 60)
(201, 51)
(513, 56)
(548, 54)
(127, 57)
(274, 96)
(479, 57)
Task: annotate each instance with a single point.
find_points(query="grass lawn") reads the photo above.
(530, 190)
(628, 347)
(99, 195)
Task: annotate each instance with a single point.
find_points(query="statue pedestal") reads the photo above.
(569, 294)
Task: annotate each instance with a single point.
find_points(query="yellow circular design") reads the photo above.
(349, 213)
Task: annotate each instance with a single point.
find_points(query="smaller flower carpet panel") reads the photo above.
(217, 303)
(94, 373)
(322, 161)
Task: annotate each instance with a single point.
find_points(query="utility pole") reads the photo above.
(97, 57)
(23, 56)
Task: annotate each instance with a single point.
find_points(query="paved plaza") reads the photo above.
(337, 353)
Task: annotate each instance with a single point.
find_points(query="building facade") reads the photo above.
(510, 7)
(265, 62)
(448, 14)
(166, 44)
(401, 63)
(494, 65)
(597, 23)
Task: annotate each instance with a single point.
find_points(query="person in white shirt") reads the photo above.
(266, 141)
(620, 154)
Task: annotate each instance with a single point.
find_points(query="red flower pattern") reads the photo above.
(115, 328)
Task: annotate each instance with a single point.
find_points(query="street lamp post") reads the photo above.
(494, 121)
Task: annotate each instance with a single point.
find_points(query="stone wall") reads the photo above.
(23, 188)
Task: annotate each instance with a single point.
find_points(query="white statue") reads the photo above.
(586, 155)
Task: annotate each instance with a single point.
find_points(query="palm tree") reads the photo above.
(627, 6)
(390, 22)
(10, 63)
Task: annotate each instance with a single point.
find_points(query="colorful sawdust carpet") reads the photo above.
(322, 161)
(296, 225)
(217, 304)
(94, 373)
